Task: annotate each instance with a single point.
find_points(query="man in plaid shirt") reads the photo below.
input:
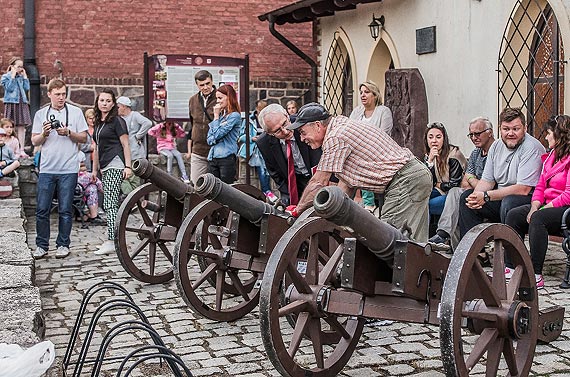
(362, 156)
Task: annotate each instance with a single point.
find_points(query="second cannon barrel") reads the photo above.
(164, 181)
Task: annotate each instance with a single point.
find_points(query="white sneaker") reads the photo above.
(39, 253)
(62, 252)
(107, 247)
(186, 180)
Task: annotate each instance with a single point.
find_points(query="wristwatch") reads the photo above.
(486, 197)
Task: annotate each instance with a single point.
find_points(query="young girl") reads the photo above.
(11, 139)
(166, 134)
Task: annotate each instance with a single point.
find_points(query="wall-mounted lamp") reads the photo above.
(376, 26)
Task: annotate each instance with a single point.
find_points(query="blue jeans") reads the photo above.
(64, 185)
(263, 178)
(436, 202)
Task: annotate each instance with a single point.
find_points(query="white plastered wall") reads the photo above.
(461, 78)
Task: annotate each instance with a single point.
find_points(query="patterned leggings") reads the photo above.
(112, 179)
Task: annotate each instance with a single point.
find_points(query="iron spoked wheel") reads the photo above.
(144, 241)
(320, 343)
(213, 289)
(484, 318)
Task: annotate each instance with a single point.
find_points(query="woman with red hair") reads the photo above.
(223, 134)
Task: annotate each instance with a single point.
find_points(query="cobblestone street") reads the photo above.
(235, 349)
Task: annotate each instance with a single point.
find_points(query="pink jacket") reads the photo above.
(554, 182)
(168, 142)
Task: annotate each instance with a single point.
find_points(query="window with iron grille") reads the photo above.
(338, 89)
(531, 64)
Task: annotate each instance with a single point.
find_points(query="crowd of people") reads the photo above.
(511, 179)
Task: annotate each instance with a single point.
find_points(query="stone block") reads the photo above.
(23, 338)
(21, 310)
(276, 93)
(15, 276)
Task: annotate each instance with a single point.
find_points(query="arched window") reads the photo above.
(338, 88)
(531, 63)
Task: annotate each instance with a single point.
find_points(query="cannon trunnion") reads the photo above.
(374, 272)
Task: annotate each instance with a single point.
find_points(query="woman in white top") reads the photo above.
(372, 111)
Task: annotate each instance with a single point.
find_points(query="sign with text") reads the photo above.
(171, 82)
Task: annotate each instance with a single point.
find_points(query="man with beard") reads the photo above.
(511, 172)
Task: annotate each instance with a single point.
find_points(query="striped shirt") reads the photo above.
(361, 155)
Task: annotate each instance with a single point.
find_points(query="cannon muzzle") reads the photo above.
(164, 181)
(249, 208)
(380, 237)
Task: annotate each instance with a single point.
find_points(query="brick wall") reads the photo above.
(106, 39)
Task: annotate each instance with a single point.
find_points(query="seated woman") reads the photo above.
(446, 163)
(550, 199)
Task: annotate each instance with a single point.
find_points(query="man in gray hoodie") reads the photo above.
(137, 126)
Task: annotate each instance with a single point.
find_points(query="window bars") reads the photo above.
(530, 72)
(338, 89)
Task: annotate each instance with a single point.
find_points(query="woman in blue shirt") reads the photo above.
(16, 108)
(223, 134)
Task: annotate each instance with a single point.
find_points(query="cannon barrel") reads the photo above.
(164, 181)
(380, 237)
(213, 188)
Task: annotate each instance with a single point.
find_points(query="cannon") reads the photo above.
(234, 234)
(376, 272)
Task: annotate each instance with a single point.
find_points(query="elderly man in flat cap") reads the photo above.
(362, 156)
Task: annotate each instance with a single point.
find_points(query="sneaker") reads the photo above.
(186, 180)
(271, 197)
(96, 221)
(39, 253)
(539, 281)
(62, 252)
(440, 243)
(107, 247)
(509, 273)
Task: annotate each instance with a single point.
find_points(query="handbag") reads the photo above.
(255, 158)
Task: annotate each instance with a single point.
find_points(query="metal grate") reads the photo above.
(338, 89)
(530, 73)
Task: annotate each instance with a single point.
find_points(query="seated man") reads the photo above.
(288, 160)
(481, 135)
(8, 163)
(379, 165)
(512, 170)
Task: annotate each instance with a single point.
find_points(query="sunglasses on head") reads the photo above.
(435, 125)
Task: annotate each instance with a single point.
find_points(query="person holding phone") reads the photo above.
(16, 105)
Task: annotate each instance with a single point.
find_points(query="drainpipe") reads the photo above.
(30, 55)
(299, 53)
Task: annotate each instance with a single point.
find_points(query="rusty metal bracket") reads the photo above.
(427, 273)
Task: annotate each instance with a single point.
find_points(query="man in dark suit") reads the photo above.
(273, 145)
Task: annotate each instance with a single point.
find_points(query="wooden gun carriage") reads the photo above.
(375, 272)
(230, 237)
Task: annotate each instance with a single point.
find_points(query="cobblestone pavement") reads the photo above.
(235, 349)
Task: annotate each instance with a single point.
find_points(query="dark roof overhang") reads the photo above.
(310, 10)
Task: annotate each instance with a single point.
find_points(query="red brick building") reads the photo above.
(96, 44)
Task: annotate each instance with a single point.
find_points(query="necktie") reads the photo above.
(291, 178)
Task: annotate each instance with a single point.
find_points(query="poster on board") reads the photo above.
(171, 82)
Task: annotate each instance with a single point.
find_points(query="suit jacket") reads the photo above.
(276, 161)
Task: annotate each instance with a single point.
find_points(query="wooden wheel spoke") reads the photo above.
(297, 279)
(314, 328)
(143, 230)
(337, 326)
(487, 291)
(481, 346)
(293, 307)
(139, 248)
(238, 285)
(215, 241)
(499, 283)
(144, 214)
(514, 283)
(152, 257)
(165, 250)
(330, 268)
(494, 357)
(484, 316)
(220, 276)
(300, 328)
(510, 358)
(204, 275)
(313, 260)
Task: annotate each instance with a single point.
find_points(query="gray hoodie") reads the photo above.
(137, 126)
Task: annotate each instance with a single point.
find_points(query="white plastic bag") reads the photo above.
(31, 362)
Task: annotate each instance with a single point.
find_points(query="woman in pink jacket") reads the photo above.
(550, 199)
(166, 134)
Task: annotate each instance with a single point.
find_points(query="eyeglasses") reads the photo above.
(471, 135)
(281, 130)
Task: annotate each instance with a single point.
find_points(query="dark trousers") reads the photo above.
(223, 168)
(494, 211)
(542, 223)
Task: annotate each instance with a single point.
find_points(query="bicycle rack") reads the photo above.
(159, 350)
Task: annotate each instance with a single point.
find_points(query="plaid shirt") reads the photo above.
(361, 155)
